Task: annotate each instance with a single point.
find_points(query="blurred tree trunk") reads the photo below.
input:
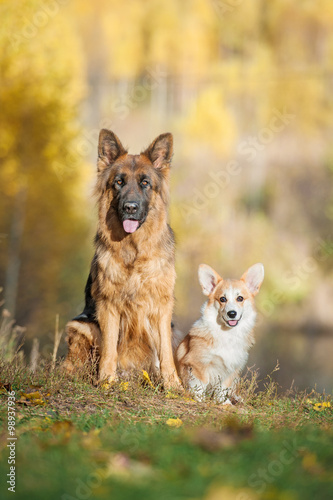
(14, 246)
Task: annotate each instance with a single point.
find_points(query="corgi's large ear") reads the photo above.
(109, 149)
(253, 278)
(208, 278)
(160, 151)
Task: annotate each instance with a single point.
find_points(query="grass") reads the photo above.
(134, 441)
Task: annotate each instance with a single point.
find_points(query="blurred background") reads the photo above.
(245, 86)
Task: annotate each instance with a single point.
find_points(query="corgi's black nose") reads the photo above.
(232, 314)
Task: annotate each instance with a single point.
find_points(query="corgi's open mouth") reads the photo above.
(232, 322)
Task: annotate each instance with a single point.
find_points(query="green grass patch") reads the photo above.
(77, 441)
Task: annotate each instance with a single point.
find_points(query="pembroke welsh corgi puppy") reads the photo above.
(213, 353)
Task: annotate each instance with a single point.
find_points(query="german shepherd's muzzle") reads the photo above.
(132, 193)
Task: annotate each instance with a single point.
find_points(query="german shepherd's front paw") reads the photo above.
(68, 367)
(107, 378)
(173, 383)
(107, 383)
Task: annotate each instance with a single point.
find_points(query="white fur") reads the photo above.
(228, 354)
(222, 346)
(229, 345)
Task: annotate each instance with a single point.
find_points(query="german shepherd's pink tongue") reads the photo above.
(130, 225)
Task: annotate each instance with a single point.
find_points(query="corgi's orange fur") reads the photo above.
(212, 355)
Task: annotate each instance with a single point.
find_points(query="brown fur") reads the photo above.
(189, 356)
(133, 275)
(83, 341)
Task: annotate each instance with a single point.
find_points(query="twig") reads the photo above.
(34, 355)
(57, 338)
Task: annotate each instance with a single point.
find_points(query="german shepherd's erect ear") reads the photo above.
(109, 149)
(160, 151)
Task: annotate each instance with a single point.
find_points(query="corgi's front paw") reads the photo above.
(238, 399)
(200, 397)
(221, 395)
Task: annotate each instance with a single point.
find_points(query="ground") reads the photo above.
(132, 440)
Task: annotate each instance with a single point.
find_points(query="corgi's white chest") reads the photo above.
(229, 351)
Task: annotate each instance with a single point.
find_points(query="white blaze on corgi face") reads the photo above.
(232, 299)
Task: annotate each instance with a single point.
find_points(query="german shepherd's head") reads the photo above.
(132, 188)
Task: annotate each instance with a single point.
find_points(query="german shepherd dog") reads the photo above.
(129, 292)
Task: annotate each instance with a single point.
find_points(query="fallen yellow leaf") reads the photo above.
(62, 426)
(32, 395)
(309, 461)
(146, 378)
(321, 406)
(40, 402)
(106, 386)
(34, 398)
(123, 386)
(174, 422)
(170, 395)
(216, 492)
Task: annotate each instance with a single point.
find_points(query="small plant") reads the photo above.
(10, 335)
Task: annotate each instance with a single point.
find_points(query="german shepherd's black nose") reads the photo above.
(131, 207)
(232, 314)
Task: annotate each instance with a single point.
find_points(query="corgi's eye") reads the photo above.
(223, 299)
(240, 298)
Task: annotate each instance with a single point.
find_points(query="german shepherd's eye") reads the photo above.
(223, 299)
(240, 298)
(119, 182)
(145, 183)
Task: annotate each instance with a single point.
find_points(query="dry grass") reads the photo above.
(134, 400)
(68, 428)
